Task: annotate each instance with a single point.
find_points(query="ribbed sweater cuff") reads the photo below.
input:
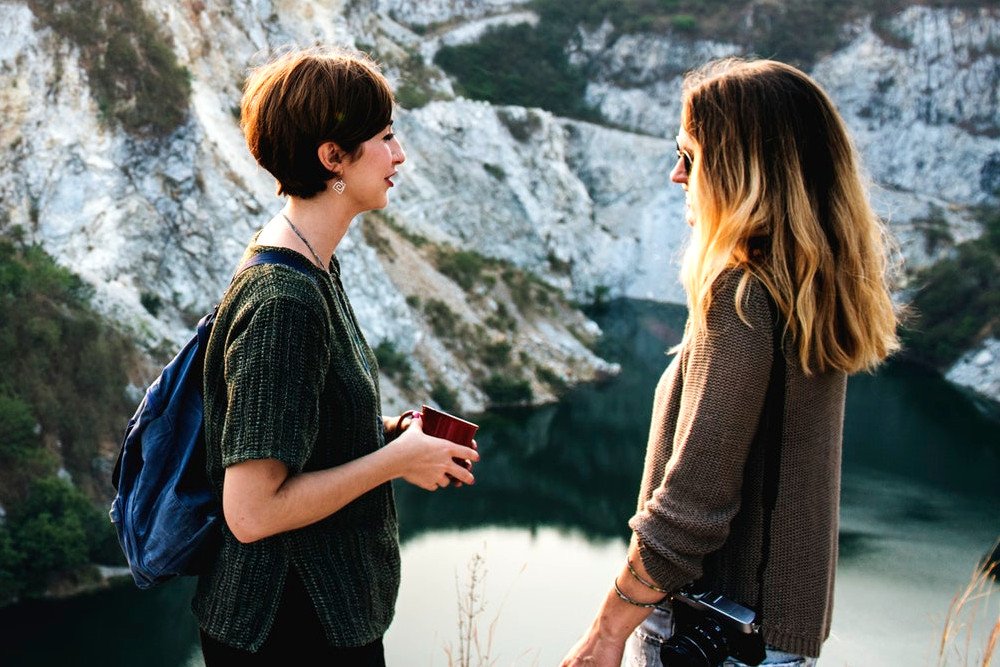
(665, 573)
(792, 643)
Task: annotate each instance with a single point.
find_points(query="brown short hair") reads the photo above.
(304, 98)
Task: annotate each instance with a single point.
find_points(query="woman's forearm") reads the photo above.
(261, 499)
(622, 612)
(627, 604)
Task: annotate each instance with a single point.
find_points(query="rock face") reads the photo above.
(977, 369)
(430, 12)
(582, 208)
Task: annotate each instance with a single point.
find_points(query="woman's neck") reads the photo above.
(321, 220)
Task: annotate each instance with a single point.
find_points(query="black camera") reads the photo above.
(708, 628)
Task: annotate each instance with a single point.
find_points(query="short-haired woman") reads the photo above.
(309, 561)
(785, 276)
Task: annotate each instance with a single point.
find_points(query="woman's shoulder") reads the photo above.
(279, 285)
(740, 296)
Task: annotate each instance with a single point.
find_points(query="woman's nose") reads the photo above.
(398, 155)
(679, 175)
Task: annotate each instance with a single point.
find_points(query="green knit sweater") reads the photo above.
(700, 510)
(289, 376)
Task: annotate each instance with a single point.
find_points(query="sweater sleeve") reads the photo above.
(274, 373)
(726, 373)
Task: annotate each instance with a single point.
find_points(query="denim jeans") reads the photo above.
(643, 647)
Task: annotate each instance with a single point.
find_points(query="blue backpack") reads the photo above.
(166, 516)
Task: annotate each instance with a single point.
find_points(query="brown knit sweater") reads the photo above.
(700, 507)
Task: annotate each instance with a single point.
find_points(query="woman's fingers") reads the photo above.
(460, 474)
(435, 462)
(416, 421)
(463, 452)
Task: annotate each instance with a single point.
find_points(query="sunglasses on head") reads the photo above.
(684, 155)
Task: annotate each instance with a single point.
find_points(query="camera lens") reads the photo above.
(700, 645)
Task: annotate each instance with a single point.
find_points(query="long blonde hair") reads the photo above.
(777, 192)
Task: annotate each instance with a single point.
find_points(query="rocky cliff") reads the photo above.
(504, 217)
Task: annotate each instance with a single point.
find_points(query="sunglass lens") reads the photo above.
(683, 155)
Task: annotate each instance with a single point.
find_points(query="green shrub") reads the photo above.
(501, 319)
(443, 396)
(495, 171)
(134, 75)
(410, 96)
(375, 238)
(504, 390)
(61, 366)
(684, 23)
(151, 302)
(62, 377)
(599, 298)
(22, 455)
(382, 217)
(465, 267)
(549, 377)
(521, 65)
(957, 301)
(394, 363)
(18, 438)
(56, 529)
(522, 125)
(496, 355)
(443, 320)
(10, 565)
(935, 229)
(527, 291)
(414, 89)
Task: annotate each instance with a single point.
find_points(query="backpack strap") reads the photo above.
(297, 262)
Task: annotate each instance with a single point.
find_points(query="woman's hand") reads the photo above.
(625, 606)
(395, 426)
(595, 650)
(430, 462)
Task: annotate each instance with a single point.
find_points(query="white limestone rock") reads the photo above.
(979, 370)
(587, 208)
(429, 12)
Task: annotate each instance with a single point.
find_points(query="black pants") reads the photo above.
(296, 638)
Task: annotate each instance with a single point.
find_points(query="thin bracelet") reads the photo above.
(642, 581)
(636, 603)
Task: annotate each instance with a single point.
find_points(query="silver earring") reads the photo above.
(339, 186)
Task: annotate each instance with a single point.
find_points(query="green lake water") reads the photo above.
(543, 530)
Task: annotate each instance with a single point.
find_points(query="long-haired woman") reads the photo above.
(785, 276)
(308, 570)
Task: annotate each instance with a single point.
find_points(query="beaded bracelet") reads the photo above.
(636, 603)
(642, 581)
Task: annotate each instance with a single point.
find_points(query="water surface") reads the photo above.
(544, 529)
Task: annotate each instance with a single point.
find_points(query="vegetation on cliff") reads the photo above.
(134, 75)
(529, 65)
(956, 302)
(62, 381)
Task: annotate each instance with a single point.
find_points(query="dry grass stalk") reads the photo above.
(960, 621)
(991, 645)
(474, 650)
(471, 605)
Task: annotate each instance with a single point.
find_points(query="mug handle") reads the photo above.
(398, 429)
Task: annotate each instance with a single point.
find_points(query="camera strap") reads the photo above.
(769, 436)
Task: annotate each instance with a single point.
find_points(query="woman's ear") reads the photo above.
(330, 156)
